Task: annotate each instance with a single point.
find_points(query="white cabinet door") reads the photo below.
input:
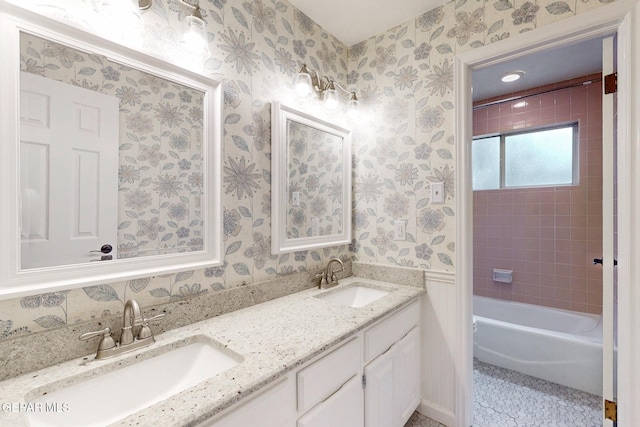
(378, 393)
(406, 376)
(342, 409)
(392, 392)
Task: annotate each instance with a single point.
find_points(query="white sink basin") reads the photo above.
(114, 395)
(355, 296)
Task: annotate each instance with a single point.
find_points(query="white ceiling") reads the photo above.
(542, 68)
(353, 21)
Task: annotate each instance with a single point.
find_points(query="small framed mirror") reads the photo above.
(310, 182)
(110, 161)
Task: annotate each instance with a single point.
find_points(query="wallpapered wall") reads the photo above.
(258, 47)
(404, 141)
(160, 151)
(316, 175)
(406, 76)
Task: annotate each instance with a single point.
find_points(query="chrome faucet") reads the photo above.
(328, 278)
(132, 317)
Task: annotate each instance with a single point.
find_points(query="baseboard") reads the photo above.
(437, 413)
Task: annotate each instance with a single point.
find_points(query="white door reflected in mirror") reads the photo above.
(150, 173)
(68, 172)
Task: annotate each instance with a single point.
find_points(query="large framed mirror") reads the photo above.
(110, 160)
(310, 182)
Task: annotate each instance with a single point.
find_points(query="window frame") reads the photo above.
(575, 124)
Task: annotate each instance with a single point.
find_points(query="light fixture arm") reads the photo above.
(196, 9)
(321, 84)
(352, 94)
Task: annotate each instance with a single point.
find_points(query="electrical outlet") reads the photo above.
(437, 192)
(400, 230)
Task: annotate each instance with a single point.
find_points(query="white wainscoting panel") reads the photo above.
(439, 316)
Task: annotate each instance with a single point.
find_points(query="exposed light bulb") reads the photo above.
(119, 20)
(194, 40)
(352, 107)
(302, 85)
(330, 96)
(331, 99)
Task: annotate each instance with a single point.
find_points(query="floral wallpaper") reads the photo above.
(403, 142)
(160, 152)
(315, 182)
(405, 80)
(257, 46)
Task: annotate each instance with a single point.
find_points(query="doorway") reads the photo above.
(537, 181)
(618, 18)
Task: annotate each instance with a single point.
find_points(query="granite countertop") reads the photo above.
(273, 338)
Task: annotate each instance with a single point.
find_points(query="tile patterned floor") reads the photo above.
(505, 398)
(419, 420)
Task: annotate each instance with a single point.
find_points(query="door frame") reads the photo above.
(621, 17)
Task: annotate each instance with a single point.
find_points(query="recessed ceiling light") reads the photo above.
(512, 76)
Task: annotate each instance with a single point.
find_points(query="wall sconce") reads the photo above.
(194, 40)
(324, 88)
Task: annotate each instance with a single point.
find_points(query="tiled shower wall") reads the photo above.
(548, 236)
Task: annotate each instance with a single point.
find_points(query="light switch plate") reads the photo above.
(400, 230)
(437, 192)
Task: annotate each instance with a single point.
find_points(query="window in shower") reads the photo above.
(530, 158)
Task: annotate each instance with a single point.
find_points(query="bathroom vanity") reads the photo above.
(300, 360)
(369, 379)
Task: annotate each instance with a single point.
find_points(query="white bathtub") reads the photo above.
(561, 346)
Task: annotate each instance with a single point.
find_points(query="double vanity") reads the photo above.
(299, 360)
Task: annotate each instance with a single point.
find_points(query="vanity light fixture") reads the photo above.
(194, 40)
(512, 76)
(324, 88)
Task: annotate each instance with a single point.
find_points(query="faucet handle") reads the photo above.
(156, 317)
(323, 278)
(145, 330)
(106, 342)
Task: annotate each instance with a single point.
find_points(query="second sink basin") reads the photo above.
(356, 295)
(109, 397)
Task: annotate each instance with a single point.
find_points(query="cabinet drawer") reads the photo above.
(380, 337)
(323, 377)
(343, 409)
(273, 407)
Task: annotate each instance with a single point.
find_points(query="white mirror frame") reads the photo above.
(15, 282)
(280, 242)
